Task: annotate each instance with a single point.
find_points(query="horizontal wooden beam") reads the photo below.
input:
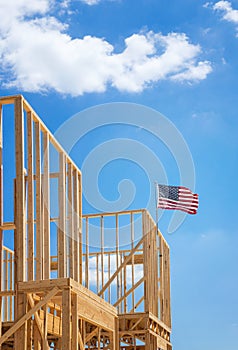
(7, 100)
(98, 215)
(138, 259)
(7, 293)
(7, 226)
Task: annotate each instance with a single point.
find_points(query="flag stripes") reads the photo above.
(177, 198)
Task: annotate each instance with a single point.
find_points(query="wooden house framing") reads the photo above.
(68, 280)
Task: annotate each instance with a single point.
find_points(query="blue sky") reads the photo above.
(180, 59)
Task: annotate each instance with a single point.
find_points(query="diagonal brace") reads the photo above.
(28, 315)
(128, 258)
(38, 322)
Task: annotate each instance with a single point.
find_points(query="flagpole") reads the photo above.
(156, 205)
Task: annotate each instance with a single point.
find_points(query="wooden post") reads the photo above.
(87, 256)
(61, 229)
(161, 247)
(1, 168)
(5, 284)
(29, 334)
(20, 191)
(80, 234)
(132, 260)
(1, 215)
(109, 276)
(97, 272)
(46, 207)
(102, 252)
(77, 230)
(75, 327)
(39, 236)
(20, 222)
(117, 259)
(115, 336)
(70, 223)
(155, 271)
(66, 319)
(45, 326)
(169, 292)
(147, 341)
(36, 337)
(99, 338)
(30, 199)
(20, 336)
(166, 285)
(125, 287)
(145, 255)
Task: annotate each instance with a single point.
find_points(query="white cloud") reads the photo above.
(38, 54)
(93, 2)
(92, 270)
(207, 4)
(229, 14)
(12, 10)
(195, 73)
(90, 2)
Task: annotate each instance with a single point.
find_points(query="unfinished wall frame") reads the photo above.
(72, 281)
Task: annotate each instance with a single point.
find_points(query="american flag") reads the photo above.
(177, 198)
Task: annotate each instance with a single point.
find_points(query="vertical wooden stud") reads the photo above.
(1, 215)
(20, 191)
(29, 334)
(132, 260)
(109, 276)
(36, 337)
(76, 228)
(20, 336)
(20, 221)
(75, 327)
(120, 282)
(61, 228)
(87, 256)
(97, 272)
(156, 272)
(161, 280)
(145, 256)
(117, 256)
(5, 316)
(125, 287)
(45, 330)
(66, 319)
(102, 252)
(39, 236)
(46, 207)
(30, 198)
(169, 296)
(99, 338)
(80, 245)
(70, 231)
(11, 286)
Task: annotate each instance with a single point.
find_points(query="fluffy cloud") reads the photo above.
(92, 270)
(93, 2)
(195, 73)
(90, 2)
(38, 54)
(229, 14)
(12, 10)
